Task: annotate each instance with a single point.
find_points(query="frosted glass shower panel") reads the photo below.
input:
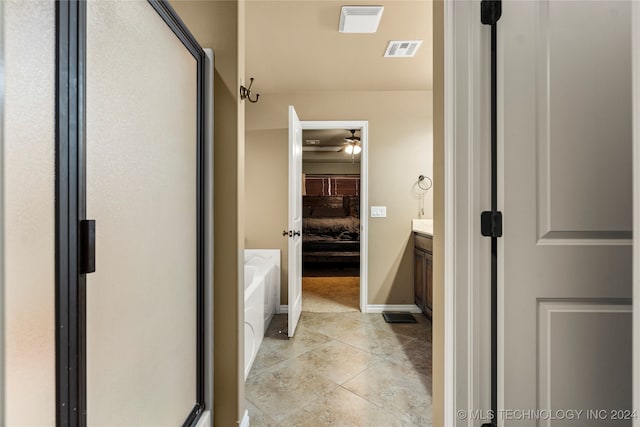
(29, 37)
(141, 190)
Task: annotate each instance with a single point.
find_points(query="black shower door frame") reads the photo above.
(70, 188)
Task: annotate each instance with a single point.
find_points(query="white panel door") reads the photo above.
(565, 274)
(295, 220)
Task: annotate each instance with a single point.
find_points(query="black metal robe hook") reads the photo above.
(245, 92)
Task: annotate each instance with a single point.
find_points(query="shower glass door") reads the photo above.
(143, 151)
(27, 200)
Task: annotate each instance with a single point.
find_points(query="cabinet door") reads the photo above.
(419, 278)
(429, 282)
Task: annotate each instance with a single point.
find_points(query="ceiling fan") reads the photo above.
(352, 145)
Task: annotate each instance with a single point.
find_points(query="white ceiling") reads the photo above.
(295, 46)
(327, 138)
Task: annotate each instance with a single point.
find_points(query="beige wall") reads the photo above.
(220, 26)
(333, 168)
(438, 213)
(400, 149)
(266, 193)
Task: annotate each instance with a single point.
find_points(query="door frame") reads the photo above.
(70, 191)
(2, 221)
(363, 125)
(467, 357)
(635, 76)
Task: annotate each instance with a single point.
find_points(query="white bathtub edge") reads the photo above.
(260, 301)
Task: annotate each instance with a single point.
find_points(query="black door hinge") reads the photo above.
(87, 246)
(490, 11)
(491, 224)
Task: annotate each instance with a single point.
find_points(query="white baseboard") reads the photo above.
(205, 420)
(245, 419)
(379, 308)
(374, 308)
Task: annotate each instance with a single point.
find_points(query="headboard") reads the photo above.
(330, 206)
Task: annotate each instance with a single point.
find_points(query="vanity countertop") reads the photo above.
(422, 226)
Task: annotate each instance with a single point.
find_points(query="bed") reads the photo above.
(331, 229)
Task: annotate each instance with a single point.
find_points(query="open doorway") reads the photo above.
(334, 240)
(331, 188)
(324, 240)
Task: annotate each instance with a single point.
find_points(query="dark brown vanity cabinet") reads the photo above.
(423, 272)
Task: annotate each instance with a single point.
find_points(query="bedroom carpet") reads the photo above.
(330, 294)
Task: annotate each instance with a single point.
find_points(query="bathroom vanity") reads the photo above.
(423, 265)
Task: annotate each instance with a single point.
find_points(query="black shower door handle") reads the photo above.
(87, 246)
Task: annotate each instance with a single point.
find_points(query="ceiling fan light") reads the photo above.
(349, 149)
(357, 149)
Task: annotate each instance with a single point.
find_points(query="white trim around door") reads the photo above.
(635, 76)
(363, 125)
(449, 204)
(467, 291)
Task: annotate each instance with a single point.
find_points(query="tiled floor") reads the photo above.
(342, 369)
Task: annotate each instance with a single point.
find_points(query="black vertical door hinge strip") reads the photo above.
(491, 221)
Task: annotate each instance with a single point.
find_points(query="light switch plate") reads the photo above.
(378, 211)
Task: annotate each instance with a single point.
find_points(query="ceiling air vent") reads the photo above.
(360, 19)
(402, 48)
(312, 142)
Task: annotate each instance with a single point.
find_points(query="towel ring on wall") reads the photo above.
(425, 183)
